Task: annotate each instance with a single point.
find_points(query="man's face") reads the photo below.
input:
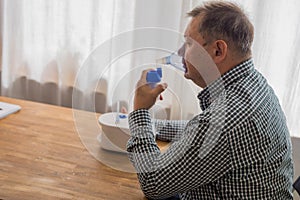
(199, 65)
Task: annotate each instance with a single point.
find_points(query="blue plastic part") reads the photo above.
(154, 77)
(159, 71)
(122, 116)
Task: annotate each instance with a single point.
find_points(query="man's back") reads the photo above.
(259, 141)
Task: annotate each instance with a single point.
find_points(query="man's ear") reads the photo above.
(220, 51)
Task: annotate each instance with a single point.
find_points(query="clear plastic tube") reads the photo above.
(174, 60)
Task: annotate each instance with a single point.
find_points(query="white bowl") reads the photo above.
(115, 132)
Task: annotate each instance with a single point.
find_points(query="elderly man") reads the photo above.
(239, 146)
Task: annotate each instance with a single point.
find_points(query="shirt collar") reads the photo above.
(212, 91)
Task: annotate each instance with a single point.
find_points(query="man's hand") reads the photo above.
(145, 96)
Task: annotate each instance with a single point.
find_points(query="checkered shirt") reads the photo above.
(238, 148)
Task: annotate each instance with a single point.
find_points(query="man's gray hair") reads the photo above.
(225, 21)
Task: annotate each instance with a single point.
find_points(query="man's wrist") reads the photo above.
(138, 107)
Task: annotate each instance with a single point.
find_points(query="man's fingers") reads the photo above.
(159, 88)
(143, 79)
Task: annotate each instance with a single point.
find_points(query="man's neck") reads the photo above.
(230, 63)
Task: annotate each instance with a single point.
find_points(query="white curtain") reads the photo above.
(45, 42)
(276, 51)
(99, 47)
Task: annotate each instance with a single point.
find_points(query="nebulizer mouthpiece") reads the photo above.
(174, 60)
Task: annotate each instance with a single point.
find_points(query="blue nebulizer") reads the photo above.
(174, 60)
(154, 76)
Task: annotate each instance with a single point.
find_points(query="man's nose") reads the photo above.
(181, 51)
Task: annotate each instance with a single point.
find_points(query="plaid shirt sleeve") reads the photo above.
(186, 165)
(169, 130)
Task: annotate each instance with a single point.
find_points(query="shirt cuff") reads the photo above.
(139, 119)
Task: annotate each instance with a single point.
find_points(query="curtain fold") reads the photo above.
(50, 51)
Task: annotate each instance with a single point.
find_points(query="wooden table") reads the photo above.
(43, 157)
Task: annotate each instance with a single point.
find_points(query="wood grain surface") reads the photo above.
(42, 156)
